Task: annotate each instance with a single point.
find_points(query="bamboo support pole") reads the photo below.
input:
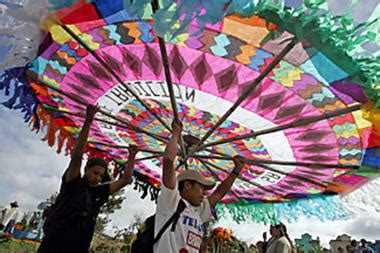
(148, 158)
(296, 123)
(286, 163)
(248, 161)
(165, 62)
(246, 180)
(126, 146)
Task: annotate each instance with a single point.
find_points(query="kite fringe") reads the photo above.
(241, 213)
(15, 85)
(55, 134)
(145, 187)
(323, 208)
(21, 96)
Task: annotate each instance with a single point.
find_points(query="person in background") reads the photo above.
(9, 217)
(260, 246)
(355, 247)
(280, 241)
(70, 225)
(364, 247)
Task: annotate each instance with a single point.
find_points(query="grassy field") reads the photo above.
(16, 246)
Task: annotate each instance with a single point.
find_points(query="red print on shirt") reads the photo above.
(194, 240)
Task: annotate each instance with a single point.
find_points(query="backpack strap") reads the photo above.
(173, 219)
(180, 208)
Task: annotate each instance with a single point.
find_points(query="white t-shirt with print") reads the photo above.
(189, 230)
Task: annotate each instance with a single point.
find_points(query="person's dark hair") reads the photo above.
(14, 204)
(181, 184)
(98, 161)
(283, 231)
(261, 246)
(281, 227)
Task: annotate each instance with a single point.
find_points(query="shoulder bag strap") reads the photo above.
(174, 218)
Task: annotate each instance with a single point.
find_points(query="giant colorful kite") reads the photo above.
(277, 84)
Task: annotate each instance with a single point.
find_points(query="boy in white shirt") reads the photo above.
(191, 187)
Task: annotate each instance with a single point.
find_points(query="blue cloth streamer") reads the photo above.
(23, 97)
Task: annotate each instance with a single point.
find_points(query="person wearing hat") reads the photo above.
(70, 225)
(190, 187)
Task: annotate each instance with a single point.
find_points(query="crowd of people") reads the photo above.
(27, 226)
(355, 247)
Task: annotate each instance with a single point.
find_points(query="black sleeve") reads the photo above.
(71, 186)
(102, 192)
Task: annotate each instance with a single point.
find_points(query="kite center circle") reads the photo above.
(190, 141)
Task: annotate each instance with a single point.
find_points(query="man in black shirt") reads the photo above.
(70, 226)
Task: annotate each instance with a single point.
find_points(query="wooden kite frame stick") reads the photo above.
(301, 178)
(165, 62)
(246, 180)
(286, 163)
(126, 146)
(296, 123)
(148, 158)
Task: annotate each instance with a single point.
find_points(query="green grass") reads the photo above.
(10, 246)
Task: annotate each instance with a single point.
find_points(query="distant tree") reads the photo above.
(114, 203)
(128, 234)
(318, 248)
(101, 223)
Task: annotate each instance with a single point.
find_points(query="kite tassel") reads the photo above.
(145, 188)
(21, 96)
(322, 207)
